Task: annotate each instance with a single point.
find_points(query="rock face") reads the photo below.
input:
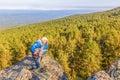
(112, 73)
(20, 71)
(101, 75)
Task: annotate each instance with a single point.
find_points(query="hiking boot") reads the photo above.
(43, 69)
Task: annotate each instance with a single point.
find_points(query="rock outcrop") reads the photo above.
(19, 70)
(112, 73)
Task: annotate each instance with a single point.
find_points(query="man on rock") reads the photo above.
(38, 49)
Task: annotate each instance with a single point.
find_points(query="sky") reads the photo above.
(58, 4)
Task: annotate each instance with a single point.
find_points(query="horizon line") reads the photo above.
(75, 8)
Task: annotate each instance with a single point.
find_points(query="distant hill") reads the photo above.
(118, 9)
(82, 44)
(12, 18)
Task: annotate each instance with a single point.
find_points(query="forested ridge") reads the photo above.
(82, 44)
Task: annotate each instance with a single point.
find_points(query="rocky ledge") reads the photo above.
(20, 71)
(112, 73)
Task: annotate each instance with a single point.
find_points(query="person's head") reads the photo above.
(44, 40)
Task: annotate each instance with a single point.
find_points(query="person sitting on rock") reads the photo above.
(38, 49)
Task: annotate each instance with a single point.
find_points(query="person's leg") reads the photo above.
(35, 60)
(37, 63)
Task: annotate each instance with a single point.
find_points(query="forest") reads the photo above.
(82, 43)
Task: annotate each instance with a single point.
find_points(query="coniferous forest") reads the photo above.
(82, 44)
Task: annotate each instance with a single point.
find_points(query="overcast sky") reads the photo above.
(57, 4)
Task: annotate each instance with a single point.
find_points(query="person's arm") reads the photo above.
(44, 49)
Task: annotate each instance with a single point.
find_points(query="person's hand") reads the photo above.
(36, 55)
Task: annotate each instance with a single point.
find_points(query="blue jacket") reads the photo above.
(38, 44)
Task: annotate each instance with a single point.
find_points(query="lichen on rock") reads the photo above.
(19, 71)
(112, 73)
